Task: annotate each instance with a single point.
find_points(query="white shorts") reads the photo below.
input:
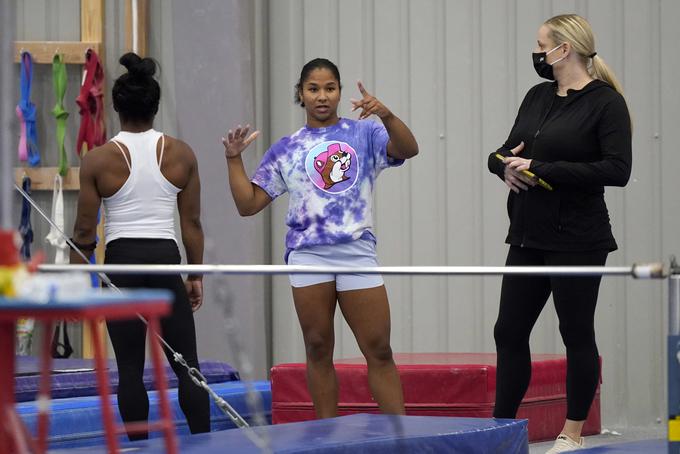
(357, 253)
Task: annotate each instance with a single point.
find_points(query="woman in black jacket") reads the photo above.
(571, 138)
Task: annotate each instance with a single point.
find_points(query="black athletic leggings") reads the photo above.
(522, 299)
(128, 336)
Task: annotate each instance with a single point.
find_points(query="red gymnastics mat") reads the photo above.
(439, 384)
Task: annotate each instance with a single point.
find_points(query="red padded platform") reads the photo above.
(438, 384)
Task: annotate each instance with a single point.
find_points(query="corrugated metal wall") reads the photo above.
(456, 71)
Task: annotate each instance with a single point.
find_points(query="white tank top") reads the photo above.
(144, 207)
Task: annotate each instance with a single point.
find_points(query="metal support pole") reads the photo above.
(7, 86)
(674, 364)
(674, 305)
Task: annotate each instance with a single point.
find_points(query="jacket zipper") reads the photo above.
(538, 131)
(545, 116)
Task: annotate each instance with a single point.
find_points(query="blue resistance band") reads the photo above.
(28, 110)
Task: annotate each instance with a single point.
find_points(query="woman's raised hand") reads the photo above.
(369, 104)
(238, 140)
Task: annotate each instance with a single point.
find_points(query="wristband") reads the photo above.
(83, 247)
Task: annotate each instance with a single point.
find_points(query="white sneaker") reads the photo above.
(564, 444)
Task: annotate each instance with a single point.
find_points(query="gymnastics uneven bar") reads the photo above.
(641, 271)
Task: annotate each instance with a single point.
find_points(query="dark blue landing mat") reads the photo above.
(76, 377)
(637, 447)
(30, 365)
(361, 433)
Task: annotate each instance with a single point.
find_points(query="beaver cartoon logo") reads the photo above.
(334, 166)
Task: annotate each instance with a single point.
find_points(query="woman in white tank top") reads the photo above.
(140, 176)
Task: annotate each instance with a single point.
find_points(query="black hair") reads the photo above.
(136, 94)
(317, 63)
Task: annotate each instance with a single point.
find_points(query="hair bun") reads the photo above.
(137, 66)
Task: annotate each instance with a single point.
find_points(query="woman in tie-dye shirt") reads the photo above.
(329, 168)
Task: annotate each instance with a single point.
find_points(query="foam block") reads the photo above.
(438, 384)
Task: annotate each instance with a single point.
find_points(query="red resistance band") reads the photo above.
(92, 131)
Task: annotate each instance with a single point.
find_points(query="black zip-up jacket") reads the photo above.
(578, 144)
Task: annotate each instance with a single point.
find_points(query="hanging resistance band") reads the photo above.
(61, 345)
(28, 142)
(59, 81)
(54, 237)
(92, 132)
(25, 326)
(25, 229)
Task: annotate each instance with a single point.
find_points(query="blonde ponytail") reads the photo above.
(600, 70)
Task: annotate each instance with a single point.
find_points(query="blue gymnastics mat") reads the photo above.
(76, 377)
(637, 447)
(359, 434)
(77, 421)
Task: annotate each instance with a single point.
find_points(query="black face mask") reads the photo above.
(544, 69)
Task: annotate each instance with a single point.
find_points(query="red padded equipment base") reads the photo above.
(439, 384)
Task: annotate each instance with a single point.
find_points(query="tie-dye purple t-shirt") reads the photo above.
(329, 173)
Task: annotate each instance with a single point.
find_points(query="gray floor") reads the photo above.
(613, 435)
